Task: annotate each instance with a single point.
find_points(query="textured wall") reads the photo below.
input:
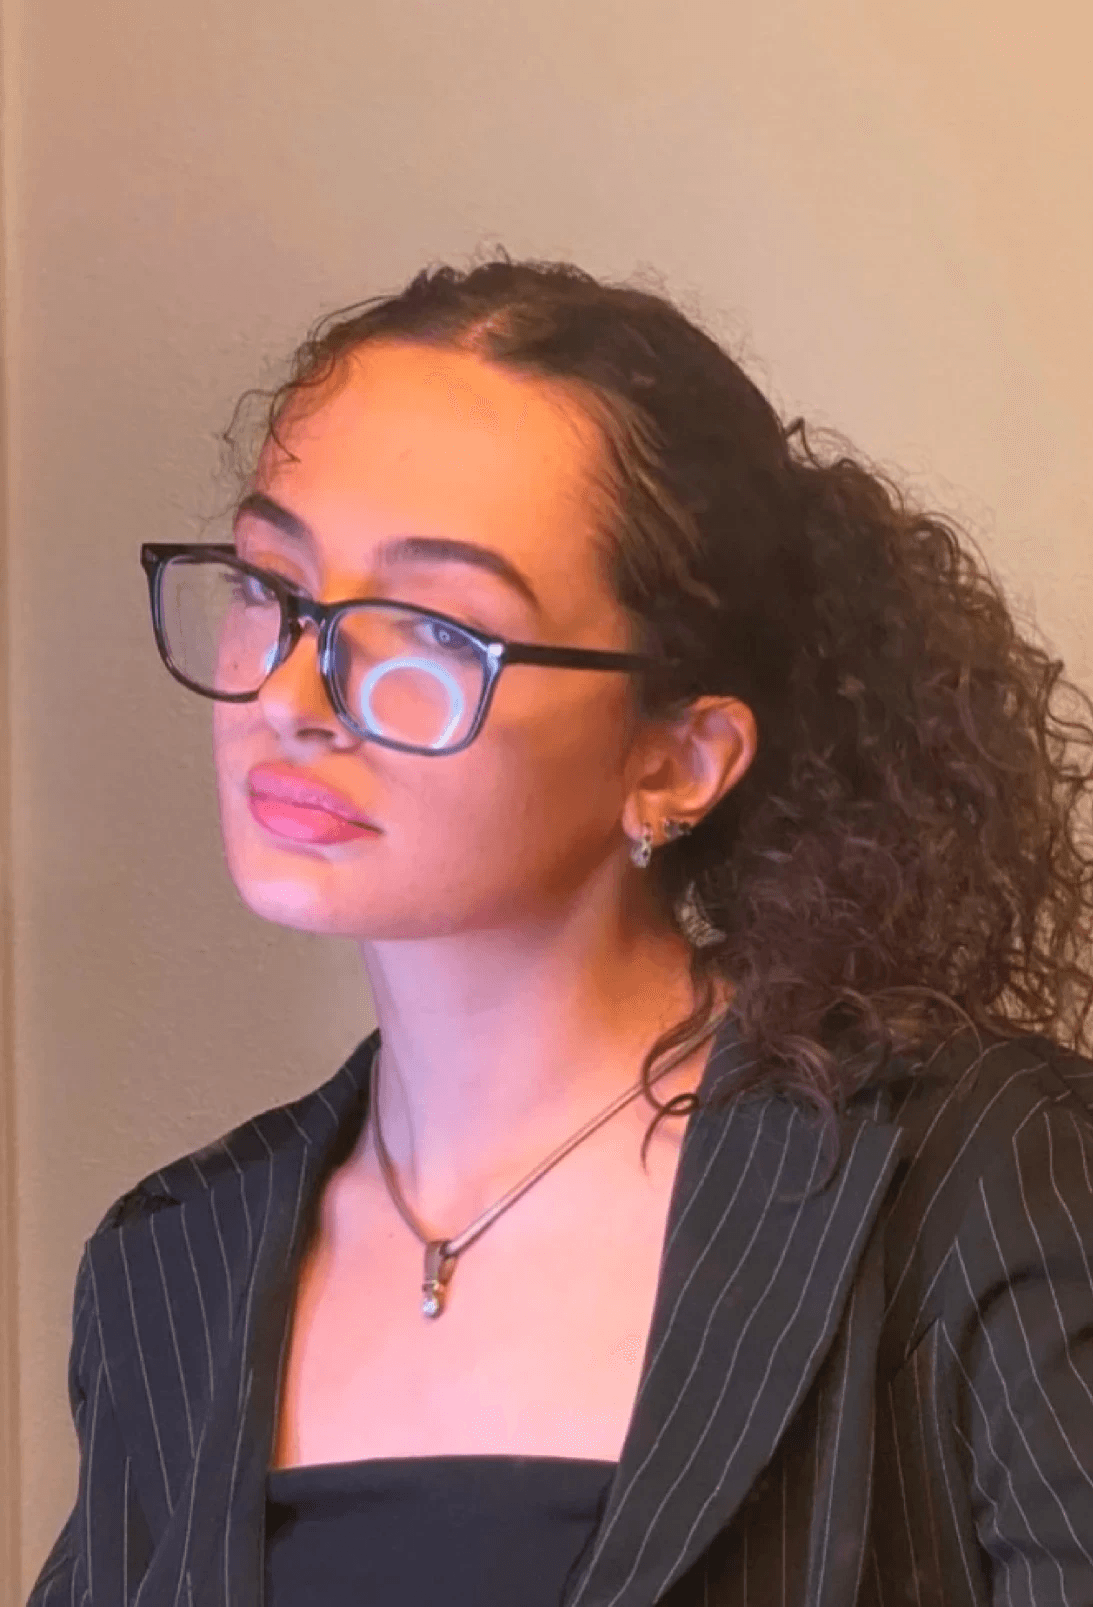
(885, 207)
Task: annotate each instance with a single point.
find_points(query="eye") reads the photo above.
(248, 590)
(437, 633)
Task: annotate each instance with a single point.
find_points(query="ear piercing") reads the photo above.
(642, 851)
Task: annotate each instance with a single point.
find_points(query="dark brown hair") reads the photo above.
(911, 843)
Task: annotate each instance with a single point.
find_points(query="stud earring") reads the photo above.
(642, 851)
(676, 828)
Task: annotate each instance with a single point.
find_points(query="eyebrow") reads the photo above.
(398, 550)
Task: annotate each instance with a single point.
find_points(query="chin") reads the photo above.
(287, 901)
(310, 893)
(286, 887)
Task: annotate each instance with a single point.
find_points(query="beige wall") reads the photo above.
(886, 206)
(9, 1373)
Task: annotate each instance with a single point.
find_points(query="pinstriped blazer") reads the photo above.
(879, 1393)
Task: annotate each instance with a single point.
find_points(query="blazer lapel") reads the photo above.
(209, 1527)
(754, 1280)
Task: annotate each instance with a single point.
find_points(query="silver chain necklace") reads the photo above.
(441, 1255)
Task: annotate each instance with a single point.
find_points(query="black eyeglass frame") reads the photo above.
(297, 609)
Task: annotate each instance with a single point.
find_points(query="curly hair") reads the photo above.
(911, 843)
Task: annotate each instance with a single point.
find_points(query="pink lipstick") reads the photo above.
(301, 808)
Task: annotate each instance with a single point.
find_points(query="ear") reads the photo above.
(682, 768)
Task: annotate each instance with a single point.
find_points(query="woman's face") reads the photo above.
(415, 441)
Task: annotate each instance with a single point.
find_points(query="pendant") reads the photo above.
(439, 1266)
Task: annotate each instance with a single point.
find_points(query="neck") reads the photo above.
(497, 1046)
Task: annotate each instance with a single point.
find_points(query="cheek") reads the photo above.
(236, 746)
(229, 763)
(228, 729)
(556, 781)
(525, 813)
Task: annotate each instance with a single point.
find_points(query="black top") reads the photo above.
(467, 1531)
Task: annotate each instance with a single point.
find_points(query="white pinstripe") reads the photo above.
(903, 1492)
(1081, 1150)
(90, 1467)
(869, 1485)
(287, 1333)
(98, 1329)
(125, 1535)
(224, 1259)
(299, 1200)
(835, 1455)
(52, 1571)
(1050, 1282)
(1003, 1467)
(189, 1527)
(1087, 1259)
(931, 1513)
(948, 1173)
(292, 1118)
(877, 1576)
(691, 1205)
(174, 1335)
(234, 1478)
(324, 1101)
(200, 1296)
(939, 1444)
(978, 1482)
(939, 1114)
(255, 1261)
(228, 1151)
(144, 1372)
(81, 1360)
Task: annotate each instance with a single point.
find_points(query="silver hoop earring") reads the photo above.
(642, 851)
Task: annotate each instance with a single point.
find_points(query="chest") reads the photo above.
(538, 1351)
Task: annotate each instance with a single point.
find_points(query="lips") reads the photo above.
(295, 806)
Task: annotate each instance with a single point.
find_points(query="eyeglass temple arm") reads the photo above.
(572, 658)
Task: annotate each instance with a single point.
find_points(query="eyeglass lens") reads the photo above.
(402, 675)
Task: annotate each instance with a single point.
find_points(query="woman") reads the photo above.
(651, 758)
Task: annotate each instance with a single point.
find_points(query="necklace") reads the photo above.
(441, 1255)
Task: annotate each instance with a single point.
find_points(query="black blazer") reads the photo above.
(881, 1393)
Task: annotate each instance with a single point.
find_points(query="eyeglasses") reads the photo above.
(396, 674)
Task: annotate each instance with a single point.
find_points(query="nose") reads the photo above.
(294, 698)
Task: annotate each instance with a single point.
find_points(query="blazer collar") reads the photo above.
(754, 1277)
